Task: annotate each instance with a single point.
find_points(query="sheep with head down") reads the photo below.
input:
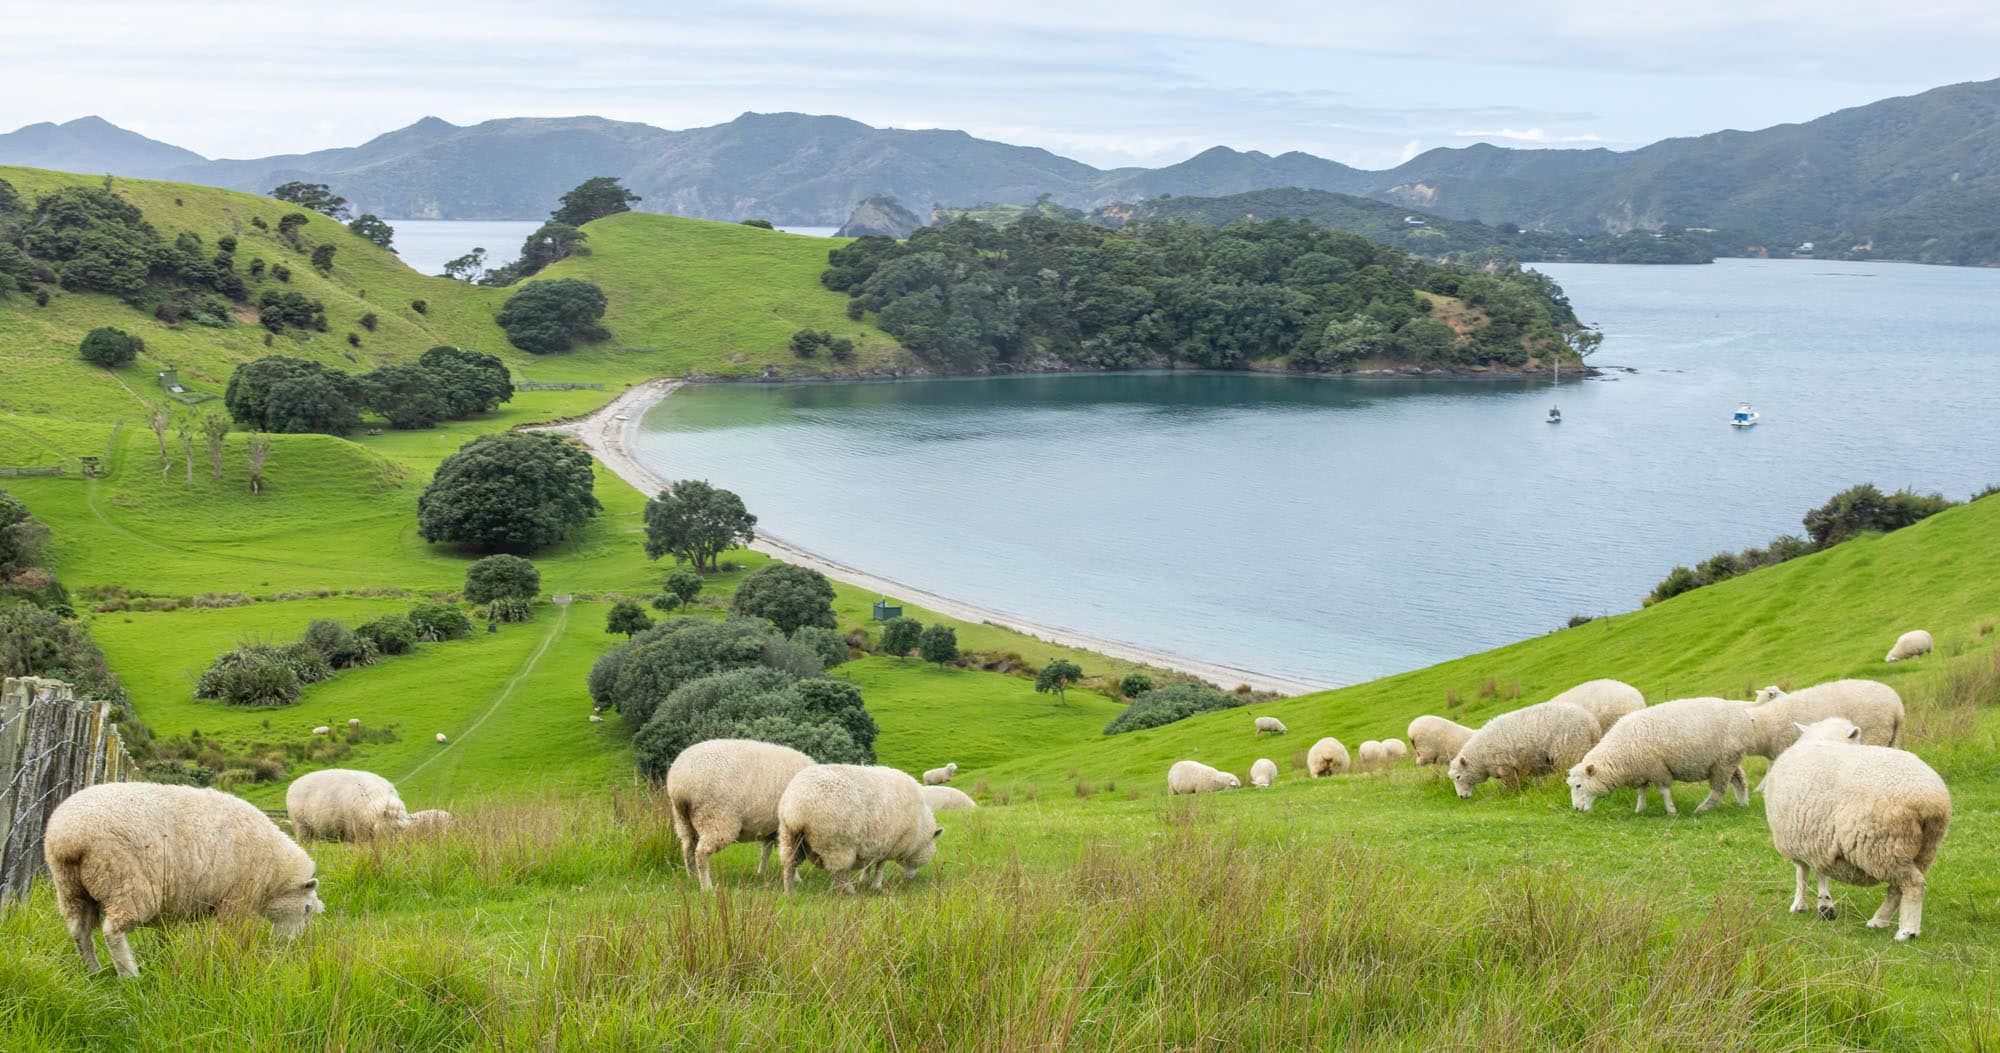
(1533, 740)
(1871, 705)
(722, 791)
(1393, 750)
(1368, 756)
(948, 799)
(1436, 740)
(1270, 725)
(1909, 645)
(1686, 740)
(1327, 757)
(1195, 777)
(1607, 700)
(851, 818)
(343, 804)
(1263, 773)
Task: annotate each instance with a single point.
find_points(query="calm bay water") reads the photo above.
(425, 244)
(1337, 530)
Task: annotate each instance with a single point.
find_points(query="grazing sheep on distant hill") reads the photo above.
(341, 804)
(1195, 777)
(948, 799)
(1861, 815)
(1687, 740)
(322, 730)
(1368, 755)
(1263, 773)
(1607, 700)
(440, 736)
(850, 817)
(1270, 724)
(1873, 706)
(1327, 757)
(722, 791)
(353, 722)
(1909, 645)
(1393, 750)
(1437, 740)
(940, 776)
(1532, 740)
(124, 854)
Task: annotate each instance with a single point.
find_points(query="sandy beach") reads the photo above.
(608, 433)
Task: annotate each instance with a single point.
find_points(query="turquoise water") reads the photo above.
(1337, 530)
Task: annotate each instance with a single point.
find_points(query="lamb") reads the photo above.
(1263, 773)
(341, 804)
(1370, 756)
(126, 854)
(1532, 740)
(849, 817)
(1436, 740)
(353, 722)
(1393, 750)
(1859, 814)
(1195, 777)
(722, 791)
(1872, 705)
(1327, 757)
(1689, 740)
(1607, 700)
(948, 799)
(940, 776)
(1270, 724)
(322, 730)
(1909, 645)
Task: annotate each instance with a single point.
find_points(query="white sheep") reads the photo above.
(1872, 705)
(1769, 693)
(322, 730)
(1393, 750)
(1861, 815)
(1532, 740)
(940, 776)
(342, 804)
(440, 736)
(1327, 757)
(722, 791)
(948, 799)
(1195, 777)
(1607, 700)
(428, 821)
(1436, 740)
(595, 719)
(353, 722)
(1271, 725)
(849, 817)
(1369, 755)
(1263, 773)
(1686, 740)
(1909, 645)
(126, 854)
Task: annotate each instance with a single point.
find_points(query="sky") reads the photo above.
(1110, 82)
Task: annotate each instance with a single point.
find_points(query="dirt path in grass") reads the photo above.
(527, 667)
(608, 433)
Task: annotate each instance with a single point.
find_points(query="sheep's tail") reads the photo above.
(1896, 730)
(1933, 826)
(66, 874)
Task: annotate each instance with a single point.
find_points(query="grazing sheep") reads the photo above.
(1436, 740)
(848, 817)
(1769, 693)
(1909, 645)
(1327, 757)
(1263, 773)
(440, 736)
(428, 821)
(353, 722)
(1532, 740)
(341, 804)
(322, 730)
(1270, 724)
(1370, 756)
(1607, 700)
(1393, 750)
(948, 799)
(595, 719)
(1861, 815)
(1872, 705)
(1687, 740)
(940, 776)
(722, 791)
(1195, 777)
(126, 854)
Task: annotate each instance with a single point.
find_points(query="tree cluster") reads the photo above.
(88, 239)
(1164, 705)
(510, 492)
(282, 394)
(556, 240)
(789, 597)
(109, 347)
(550, 317)
(696, 523)
(807, 343)
(315, 196)
(967, 295)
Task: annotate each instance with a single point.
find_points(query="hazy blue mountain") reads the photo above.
(92, 144)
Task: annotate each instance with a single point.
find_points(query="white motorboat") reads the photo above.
(1744, 417)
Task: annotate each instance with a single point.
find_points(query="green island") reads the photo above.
(1079, 907)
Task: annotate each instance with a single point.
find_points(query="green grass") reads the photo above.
(930, 716)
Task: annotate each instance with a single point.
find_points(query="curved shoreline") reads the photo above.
(608, 430)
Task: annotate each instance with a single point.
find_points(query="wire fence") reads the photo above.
(51, 745)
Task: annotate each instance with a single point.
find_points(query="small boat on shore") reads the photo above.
(1555, 415)
(1744, 417)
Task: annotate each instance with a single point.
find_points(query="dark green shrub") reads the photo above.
(672, 653)
(900, 636)
(390, 634)
(343, 648)
(549, 317)
(1135, 684)
(495, 577)
(251, 676)
(824, 718)
(512, 492)
(628, 618)
(1165, 705)
(110, 348)
(939, 643)
(829, 645)
(787, 596)
(439, 621)
(510, 609)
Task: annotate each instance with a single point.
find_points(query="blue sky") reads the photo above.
(1109, 82)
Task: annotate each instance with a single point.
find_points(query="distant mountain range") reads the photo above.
(1910, 178)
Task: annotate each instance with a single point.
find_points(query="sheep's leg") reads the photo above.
(1890, 903)
(1640, 807)
(764, 857)
(1742, 784)
(120, 948)
(789, 850)
(1825, 904)
(843, 881)
(881, 871)
(1912, 907)
(1719, 779)
(703, 853)
(1799, 891)
(83, 929)
(1667, 796)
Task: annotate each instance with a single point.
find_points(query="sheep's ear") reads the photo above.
(937, 833)
(1853, 733)
(1590, 769)
(1800, 726)
(310, 884)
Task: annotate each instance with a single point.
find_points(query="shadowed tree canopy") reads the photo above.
(787, 596)
(500, 577)
(315, 196)
(372, 228)
(695, 522)
(594, 199)
(549, 317)
(512, 492)
(468, 381)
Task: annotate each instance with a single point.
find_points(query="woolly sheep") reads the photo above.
(1872, 705)
(428, 821)
(1861, 815)
(1263, 773)
(948, 799)
(322, 730)
(1769, 693)
(1687, 740)
(1436, 740)
(126, 854)
(722, 791)
(1195, 777)
(940, 776)
(1370, 756)
(1393, 750)
(1327, 757)
(849, 817)
(341, 804)
(595, 719)
(1270, 724)
(1532, 740)
(353, 722)
(1607, 700)
(440, 736)
(1909, 645)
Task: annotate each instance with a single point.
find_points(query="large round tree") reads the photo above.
(515, 492)
(788, 596)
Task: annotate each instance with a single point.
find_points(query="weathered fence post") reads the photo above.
(51, 745)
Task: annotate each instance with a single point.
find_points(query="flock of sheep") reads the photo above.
(1842, 801)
